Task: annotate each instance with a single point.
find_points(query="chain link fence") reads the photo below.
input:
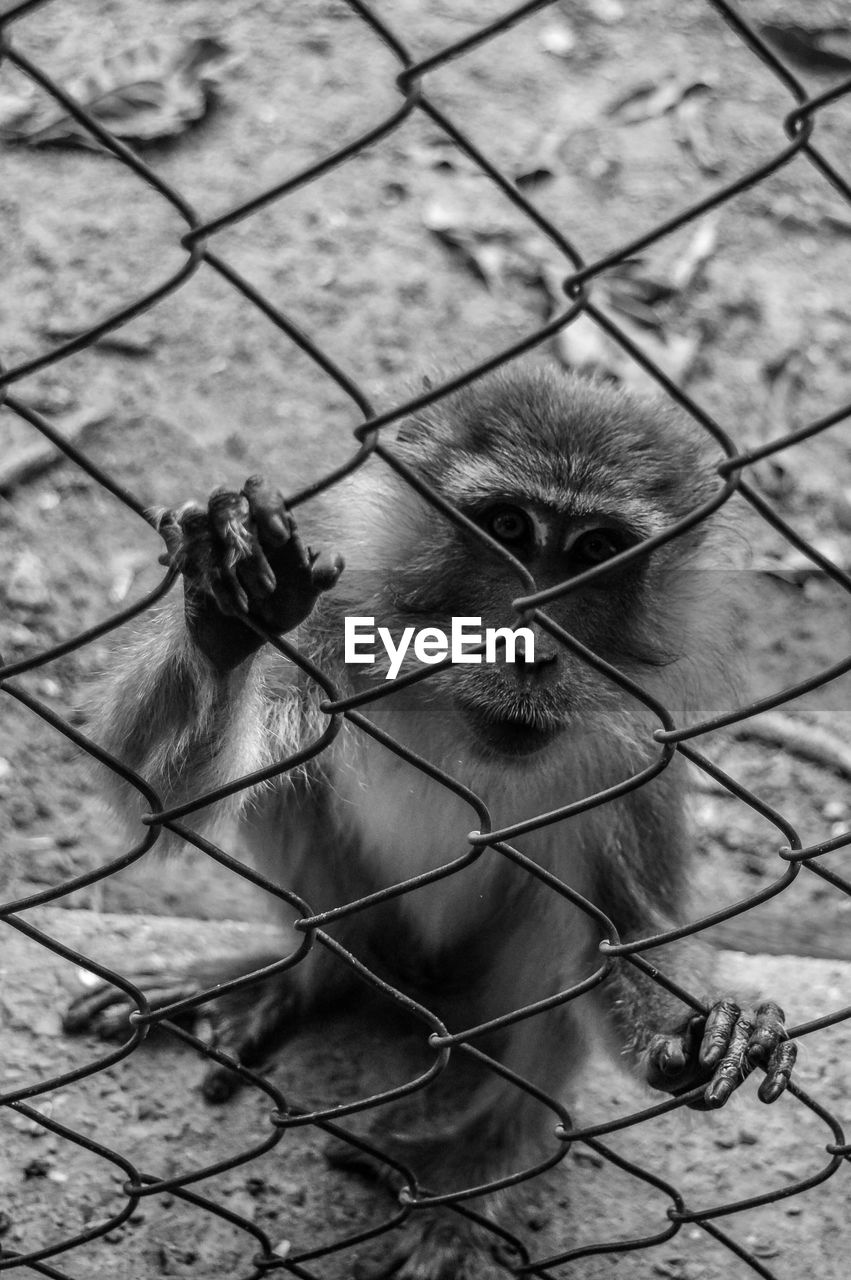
(198, 247)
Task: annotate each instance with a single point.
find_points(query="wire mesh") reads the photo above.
(197, 246)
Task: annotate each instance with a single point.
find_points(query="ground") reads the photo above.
(402, 261)
(148, 1108)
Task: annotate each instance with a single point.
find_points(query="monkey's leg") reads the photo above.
(435, 1243)
(500, 1130)
(439, 1245)
(249, 1024)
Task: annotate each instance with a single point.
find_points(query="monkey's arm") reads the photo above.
(189, 705)
(677, 1050)
(641, 885)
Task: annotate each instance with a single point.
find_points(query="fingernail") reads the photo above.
(771, 1088)
(717, 1093)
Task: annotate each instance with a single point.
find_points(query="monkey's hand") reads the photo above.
(242, 558)
(722, 1049)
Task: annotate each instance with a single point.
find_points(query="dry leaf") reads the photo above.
(486, 258)
(825, 50)
(636, 287)
(585, 347)
(606, 11)
(807, 741)
(777, 475)
(440, 152)
(692, 130)
(543, 163)
(467, 217)
(558, 39)
(786, 378)
(686, 101)
(120, 340)
(27, 584)
(812, 209)
(650, 99)
(842, 508)
(151, 91)
(32, 459)
(124, 569)
(697, 253)
(678, 265)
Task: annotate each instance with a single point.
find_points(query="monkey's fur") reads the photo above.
(566, 472)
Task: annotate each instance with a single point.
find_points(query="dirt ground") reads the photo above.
(148, 1108)
(399, 262)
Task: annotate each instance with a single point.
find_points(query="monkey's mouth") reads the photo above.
(515, 733)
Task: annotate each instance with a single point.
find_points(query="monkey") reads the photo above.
(554, 475)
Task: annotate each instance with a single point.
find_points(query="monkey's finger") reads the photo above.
(236, 591)
(255, 573)
(717, 1031)
(769, 1032)
(252, 568)
(186, 535)
(666, 1060)
(171, 531)
(670, 1058)
(274, 525)
(288, 560)
(778, 1071)
(734, 1067)
(325, 569)
(299, 570)
(228, 512)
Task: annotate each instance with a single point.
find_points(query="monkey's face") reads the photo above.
(564, 474)
(518, 699)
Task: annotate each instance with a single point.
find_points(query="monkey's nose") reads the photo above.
(544, 658)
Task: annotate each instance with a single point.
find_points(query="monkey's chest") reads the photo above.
(409, 826)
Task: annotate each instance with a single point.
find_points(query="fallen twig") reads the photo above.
(30, 460)
(809, 742)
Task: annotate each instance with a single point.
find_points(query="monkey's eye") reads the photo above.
(596, 545)
(509, 525)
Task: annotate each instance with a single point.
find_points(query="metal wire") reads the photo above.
(800, 128)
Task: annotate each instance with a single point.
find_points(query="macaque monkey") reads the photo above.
(563, 473)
